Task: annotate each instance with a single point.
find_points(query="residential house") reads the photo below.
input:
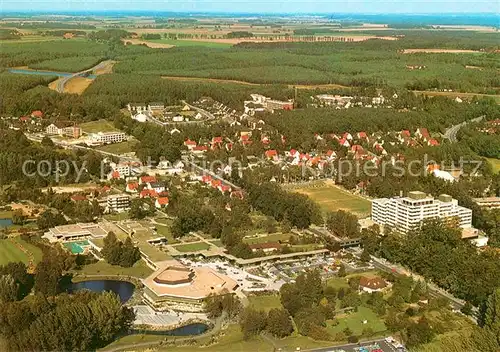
(158, 187)
(132, 187)
(146, 179)
(372, 284)
(161, 202)
(136, 107)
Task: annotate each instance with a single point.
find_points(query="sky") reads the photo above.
(260, 6)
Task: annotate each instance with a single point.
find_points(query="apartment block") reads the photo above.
(407, 213)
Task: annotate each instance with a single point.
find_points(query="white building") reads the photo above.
(136, 107)
(407, 213)
(118, 202)
(108, 137)
(123, 169)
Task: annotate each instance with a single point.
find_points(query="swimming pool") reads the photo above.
(77, 247)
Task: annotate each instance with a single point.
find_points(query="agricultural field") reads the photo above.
(98, 126)
(332, 198)
(183, 43)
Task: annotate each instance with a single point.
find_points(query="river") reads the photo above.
(44, 73)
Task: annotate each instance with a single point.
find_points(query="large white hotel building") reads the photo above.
(407, 213)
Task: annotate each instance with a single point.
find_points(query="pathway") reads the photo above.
(451, 133)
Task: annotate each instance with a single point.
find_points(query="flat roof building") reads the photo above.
(407, 213)
(488, 202)
(174, 286)
(118, 202)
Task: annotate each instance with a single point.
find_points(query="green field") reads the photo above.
(140, 269)
(192, 247)
(495, 164)
(182, 43)
(118, 148)
(354, 321)
(265, 303)
(217, 243)
(332, 198)
(10, 252)
(98, 126)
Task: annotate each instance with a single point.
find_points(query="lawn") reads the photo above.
(217, 243)
(333, 198)
(191, 43)
(495, 165)
(354, 321)
(98, 126)
(5, 214)
(11, 252)
(165, 232)
(337, 282)
(140, 269)
(192, 247)
(118, 148)
(265, 303)
(117, 216)
(274, 237)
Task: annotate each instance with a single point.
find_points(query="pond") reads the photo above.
(123, 289)
(187, 330)
(5, 222)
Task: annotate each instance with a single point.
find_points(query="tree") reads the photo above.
(343, 224)
(252, 322)
(491, 318)
(342, 271)
(18, 217)
(215, 305)
(47, 142)
(117, 253)
(279, 323)
(8, 289)
(467, 308)
(419, 333)
(365, 256)
(48, 274)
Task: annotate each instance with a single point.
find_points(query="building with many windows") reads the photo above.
(118, 202)
(407, 213)
(108, 137)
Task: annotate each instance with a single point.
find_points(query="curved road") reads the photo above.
(62, 82)
(451, 133)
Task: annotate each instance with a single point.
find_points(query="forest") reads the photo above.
(368, 63)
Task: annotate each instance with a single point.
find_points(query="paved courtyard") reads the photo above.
(145, 315)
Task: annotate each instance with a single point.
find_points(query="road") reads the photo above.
(451, 133)
(384, 346)
(62, 82)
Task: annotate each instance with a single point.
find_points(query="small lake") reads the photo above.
(43, 73)
(5, 222)
(187, 330)
(123, 289)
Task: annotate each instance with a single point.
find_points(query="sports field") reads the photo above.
(332, 198)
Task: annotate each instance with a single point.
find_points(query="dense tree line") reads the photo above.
(438, 253)
(80, 322)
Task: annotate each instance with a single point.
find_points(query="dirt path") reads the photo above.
(440, 51)
(148, 44)
(218, 80)
(432, 93)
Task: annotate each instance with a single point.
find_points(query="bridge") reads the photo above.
(62, 82)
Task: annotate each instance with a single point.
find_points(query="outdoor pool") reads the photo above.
(6, 222)
(76, 247)
(123, 289)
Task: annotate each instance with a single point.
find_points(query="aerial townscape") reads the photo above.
(250, 177)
